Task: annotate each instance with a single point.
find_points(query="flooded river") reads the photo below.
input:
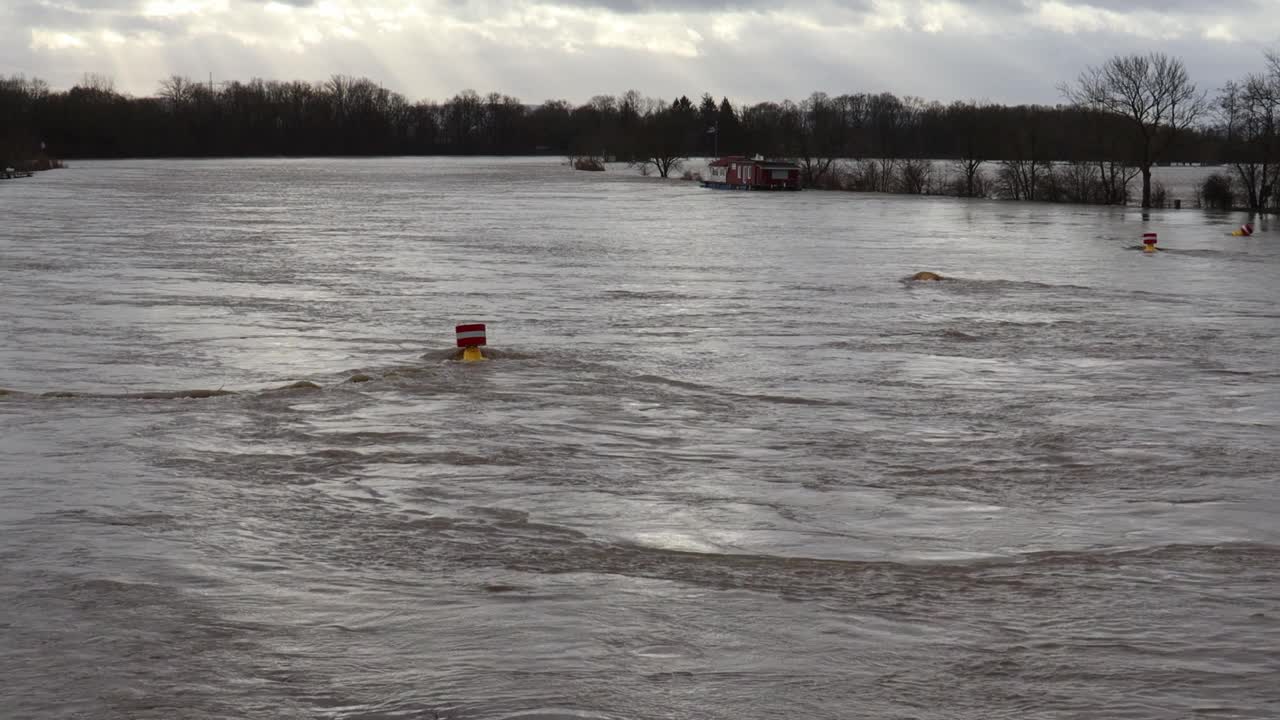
(725, 463)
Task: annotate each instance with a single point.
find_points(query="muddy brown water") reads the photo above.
(727, 462)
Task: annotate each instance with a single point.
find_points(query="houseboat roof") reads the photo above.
(769, 164)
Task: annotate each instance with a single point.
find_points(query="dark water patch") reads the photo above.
(788, 399)
(982, 286)
(490, 353)
(727, 395)
(195, 394)
(673, 383)
(1216, 369)
(364, 438)
(810, 288)
(300, 469)
(170, 395)
(517, 544)
(157, 520)
(501, 588)
(647, 295)
(13, 265)
(1206, 253)
(169, 654)
(191, 394)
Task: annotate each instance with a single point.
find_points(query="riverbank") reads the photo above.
(1059, 182)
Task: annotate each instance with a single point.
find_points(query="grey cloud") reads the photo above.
(842, 7)
(704, 6)
(634, 7)
(1223, 8)
(119, 15)
(1022, 65)
(1001, 7)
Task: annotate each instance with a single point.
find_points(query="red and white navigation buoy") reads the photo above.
(470, 337)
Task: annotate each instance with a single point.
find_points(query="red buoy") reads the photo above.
(470, 335)
(1149, 238)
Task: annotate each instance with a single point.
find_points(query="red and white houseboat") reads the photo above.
(742, 173)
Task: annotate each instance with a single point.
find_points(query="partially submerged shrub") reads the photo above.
(871, 176)
(1217, 193)
(835, 178)
(914, 177)
(959, 183)
(588, 163)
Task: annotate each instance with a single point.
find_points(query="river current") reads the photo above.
(725, 461)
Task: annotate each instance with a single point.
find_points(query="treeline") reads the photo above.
(1085, 151)
(1248, 121)
(356, 116)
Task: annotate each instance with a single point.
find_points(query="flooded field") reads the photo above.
(726, 462)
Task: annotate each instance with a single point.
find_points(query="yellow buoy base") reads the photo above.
(472, 354)
(1148, 248)
(1237, 233)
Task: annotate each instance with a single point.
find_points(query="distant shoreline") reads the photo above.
(940, 188)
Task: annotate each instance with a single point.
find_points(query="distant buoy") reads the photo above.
(926, 275)
(1149, 242)
(470, 337)
(1245, 230)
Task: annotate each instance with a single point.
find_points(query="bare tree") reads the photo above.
(819, 139)
(98, 82)
(658, 156)
(973, 141)
(1250, 116)
(915, 177)
(1028, 153)
(663, 140)
(1156, 95)
(178, 90)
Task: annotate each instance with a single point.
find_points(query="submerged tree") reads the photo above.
(1153, 92)
(820, 139)
(1250, 116)
(663, 139)
(974, 143)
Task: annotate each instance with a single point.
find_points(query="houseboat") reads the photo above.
(743, 173)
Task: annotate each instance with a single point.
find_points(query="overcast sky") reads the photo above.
(750, 50)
